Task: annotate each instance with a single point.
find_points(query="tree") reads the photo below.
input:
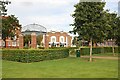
(27, 40)
(3, 9)
(118, 31)
(112, 19)
(90, 22)
(9, 25)
(39, 39)
(76, 41)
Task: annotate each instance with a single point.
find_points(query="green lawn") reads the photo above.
(106, 54)
(62, 68)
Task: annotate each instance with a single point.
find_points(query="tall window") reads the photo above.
(13, 43)
(53, 39)
(0, 43)
(61, 39)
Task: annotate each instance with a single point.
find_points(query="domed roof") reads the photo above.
(34, 28)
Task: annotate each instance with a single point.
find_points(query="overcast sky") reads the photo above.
(52, 14)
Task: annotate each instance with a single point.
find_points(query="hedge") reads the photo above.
(98, 50)
(28, 56)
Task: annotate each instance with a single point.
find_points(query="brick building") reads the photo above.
(57, 39)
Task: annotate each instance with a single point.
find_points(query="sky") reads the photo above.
(55, 15)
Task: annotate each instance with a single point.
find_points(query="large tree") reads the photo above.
(118, 32)
(112, 19)
(9, 26)
(9, 23)
(90, 22)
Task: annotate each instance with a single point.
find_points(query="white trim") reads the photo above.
(52, 38)
(0, 43)
(9, 43)
(54, 42)
(13, 43)
(71, 43)
(62, 37)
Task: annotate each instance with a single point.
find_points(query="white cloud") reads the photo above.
(53, 14)
(112, 0)
(53, 22)
(52, 2)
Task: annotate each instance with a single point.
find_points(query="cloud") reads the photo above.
(51, 22)
(112, 6)
(53, 14)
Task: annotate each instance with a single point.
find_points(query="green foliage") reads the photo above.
(9, 24)
(90, 21)
(41, 47)
(70, 48)
(39, 39)
(27, 40)
(76, 41)
(27, 56)
(3, 9)
(98, 50)
(118, 31)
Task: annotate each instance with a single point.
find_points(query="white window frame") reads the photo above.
(62, 37)
(13, 43)
(52, 38)
(0, 43)
(9, 43)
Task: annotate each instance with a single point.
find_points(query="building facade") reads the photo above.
(57, 39)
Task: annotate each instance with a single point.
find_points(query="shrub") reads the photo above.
(34, 55)
(97, 50)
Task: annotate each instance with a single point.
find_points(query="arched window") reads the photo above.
(53, 39)
(62, 39)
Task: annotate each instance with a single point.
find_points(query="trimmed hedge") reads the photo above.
(28, 56)
(98, 50)
(63, 48)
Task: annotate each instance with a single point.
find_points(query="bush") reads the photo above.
(41, 48)
(97, 50)
(63, 48)
(27, 56)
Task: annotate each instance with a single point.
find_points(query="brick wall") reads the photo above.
(67, 39)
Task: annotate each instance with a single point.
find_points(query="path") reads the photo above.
(101, 57)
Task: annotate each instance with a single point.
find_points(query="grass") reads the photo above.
(106, 54)
(62, 68)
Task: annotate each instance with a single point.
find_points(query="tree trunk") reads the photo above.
(91, 50)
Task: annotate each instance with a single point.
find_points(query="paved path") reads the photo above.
(101, 57)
